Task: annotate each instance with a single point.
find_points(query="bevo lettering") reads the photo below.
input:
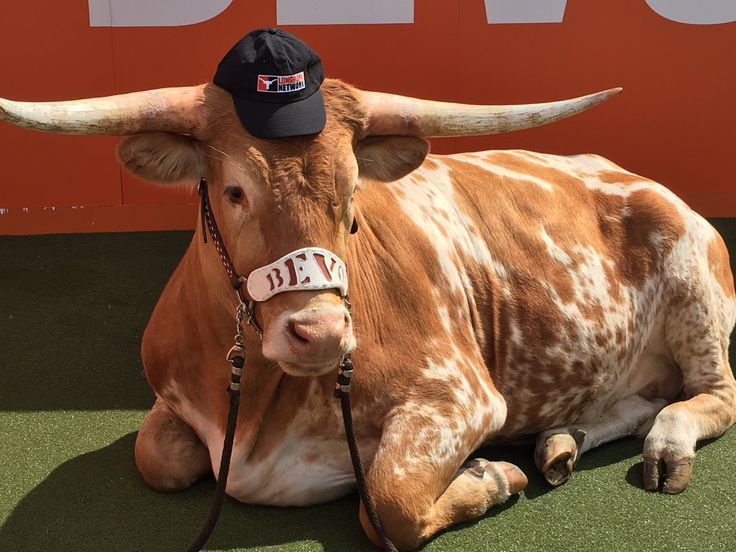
(525, 11)
(322, 264)
(300, 262)
(277, 273)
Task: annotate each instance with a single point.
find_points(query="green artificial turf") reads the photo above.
(72, 395)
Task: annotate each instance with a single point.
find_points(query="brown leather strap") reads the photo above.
(209, 224)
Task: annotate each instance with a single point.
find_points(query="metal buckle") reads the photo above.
(344, 377)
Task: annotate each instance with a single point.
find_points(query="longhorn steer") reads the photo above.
(496, 295)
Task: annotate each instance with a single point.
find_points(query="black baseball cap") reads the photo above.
(274, 79)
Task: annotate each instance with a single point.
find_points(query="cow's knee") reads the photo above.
(169, 455)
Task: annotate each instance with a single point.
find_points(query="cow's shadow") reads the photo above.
(97, 501)
(523, 457)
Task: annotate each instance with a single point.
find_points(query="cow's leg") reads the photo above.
(168, 453)
(558, 449)
(418, 480)
(697, 333)
(669, 448)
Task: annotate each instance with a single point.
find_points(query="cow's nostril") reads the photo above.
(297, 332)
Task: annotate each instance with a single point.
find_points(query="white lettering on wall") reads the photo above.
(696, 12)
(343, 12)
(525, 11)
(172, 13)
(153, 13)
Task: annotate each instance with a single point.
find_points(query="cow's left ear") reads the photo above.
(388, 158)
(162, 157)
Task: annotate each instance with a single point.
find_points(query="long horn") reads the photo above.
(389, 114)
(166, 109)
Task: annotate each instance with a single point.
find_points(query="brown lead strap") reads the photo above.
(238, 362)
(342, 392)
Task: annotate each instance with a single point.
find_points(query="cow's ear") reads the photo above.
(162, 157)
(388, 158)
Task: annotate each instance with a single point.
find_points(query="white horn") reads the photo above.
(389, 114)
(166, 109)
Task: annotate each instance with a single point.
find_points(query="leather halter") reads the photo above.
(237, 356)
(237, 282)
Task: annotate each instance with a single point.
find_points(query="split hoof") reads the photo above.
(668, 477)
(555, 458)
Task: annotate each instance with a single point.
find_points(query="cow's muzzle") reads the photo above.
(314, 339)
(310, 342)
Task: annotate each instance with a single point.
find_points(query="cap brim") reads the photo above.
(281, 120)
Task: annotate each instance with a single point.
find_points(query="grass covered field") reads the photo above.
(73, 394)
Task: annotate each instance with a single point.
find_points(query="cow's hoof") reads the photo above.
(515, 478)
(555, 458)
(673, 476)
(560, 470)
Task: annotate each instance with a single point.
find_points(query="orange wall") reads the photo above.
(675, 122)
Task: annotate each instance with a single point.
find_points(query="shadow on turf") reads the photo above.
(98, 502)
(81, 337)
(73, 312)
(523, 457)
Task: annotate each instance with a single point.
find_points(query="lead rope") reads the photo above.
(237, 357)
(342, 392)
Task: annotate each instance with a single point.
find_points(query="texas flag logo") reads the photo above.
(281, 83)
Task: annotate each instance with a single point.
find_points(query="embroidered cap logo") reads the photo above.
(281, 83)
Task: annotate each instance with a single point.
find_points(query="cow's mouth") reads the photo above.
(308, 370)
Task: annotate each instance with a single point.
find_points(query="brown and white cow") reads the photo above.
(496, 295)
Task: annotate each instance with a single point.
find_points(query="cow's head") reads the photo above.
(271, 197)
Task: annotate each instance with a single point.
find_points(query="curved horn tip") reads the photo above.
(611, 92)
(176, 109)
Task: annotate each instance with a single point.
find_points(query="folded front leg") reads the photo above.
(418, 479)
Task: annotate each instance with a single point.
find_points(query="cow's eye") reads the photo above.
(234, 193)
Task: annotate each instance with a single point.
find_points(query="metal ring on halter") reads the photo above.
(238, 293)
(347, 303)
(248, 306)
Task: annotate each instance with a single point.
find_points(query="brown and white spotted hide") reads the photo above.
(496, 295)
